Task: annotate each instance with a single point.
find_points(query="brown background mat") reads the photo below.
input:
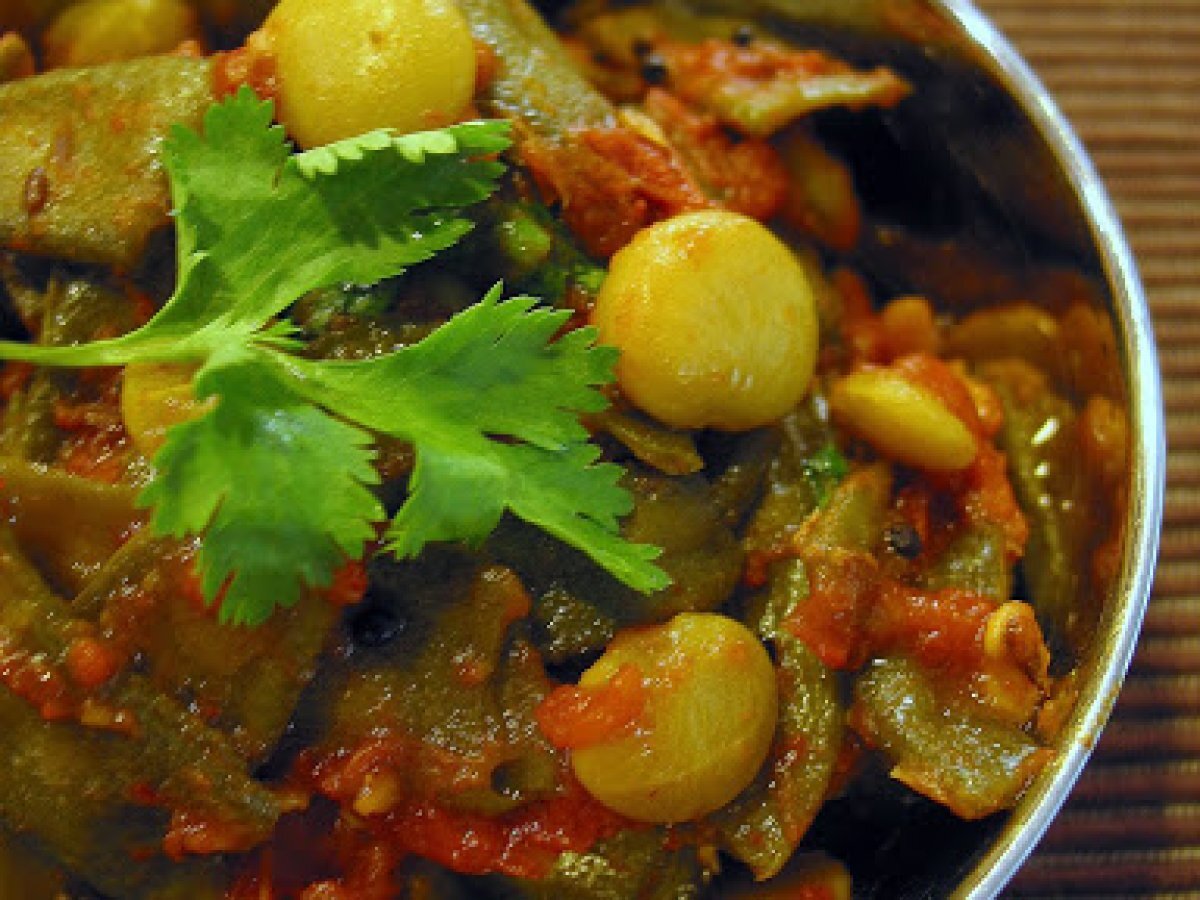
(1127, 74)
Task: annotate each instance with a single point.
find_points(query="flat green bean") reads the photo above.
(700, 553)
(1041, 439)
(93, 194)
(536, 83)
(974, 561)
(73, 783)
(942, 747)
(68, 526)
(248, 681)
(69, 310)
(667, 450)
(453, 694)
(631, 864)
(790, 493)
(763, 826)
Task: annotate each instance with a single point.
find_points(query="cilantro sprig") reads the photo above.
(278, 473)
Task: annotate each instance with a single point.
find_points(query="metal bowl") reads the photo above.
(1087, 205)
(982, 152)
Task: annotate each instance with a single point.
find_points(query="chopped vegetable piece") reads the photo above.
(1042, 441)
(92, 32)
(764, 825)
(535, 82)
(147, 601)
(102, 191)
(941, 747)
(762, 87)
(634, 863)
(99, 772)
(453, 659)
(69, 526)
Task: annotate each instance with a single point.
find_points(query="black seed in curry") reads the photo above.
(654, 69)
(375, 626)
(903, 540)
(743, 36)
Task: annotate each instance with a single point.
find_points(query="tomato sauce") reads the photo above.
(942, 629)
(95, 444)
(251, 64)
(854, 611)
(611, 183)
(573, 717)
(525, 843)
(745, 175)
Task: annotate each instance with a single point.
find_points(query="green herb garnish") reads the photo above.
(824, 471)
(278, 473)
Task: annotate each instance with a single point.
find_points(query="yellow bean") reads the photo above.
(909, 326)
(16, 59)
(715, 320)
(350, 66)
(154, 397)
(101, 31)
(707, 726)
(904, 421)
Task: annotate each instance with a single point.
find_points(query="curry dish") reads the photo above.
(445, 455)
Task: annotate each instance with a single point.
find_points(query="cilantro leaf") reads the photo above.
(492, 405)
(278, 486)
(258, 227)
(276, 472)
(824, 471)
(493, 365)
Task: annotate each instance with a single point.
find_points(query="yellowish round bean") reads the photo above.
(101, 31)
(909, 326)
(350, 66)
(155, 397)
(706, 728)
(904, 421)
(16, 58)
(715, 320)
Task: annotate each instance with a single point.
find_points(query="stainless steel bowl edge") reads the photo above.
(1116, 643)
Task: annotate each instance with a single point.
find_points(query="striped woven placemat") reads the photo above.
(1127, 74)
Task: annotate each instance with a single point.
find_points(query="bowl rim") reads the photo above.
(1115, 646)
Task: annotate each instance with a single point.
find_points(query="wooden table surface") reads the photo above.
(1127, 75)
